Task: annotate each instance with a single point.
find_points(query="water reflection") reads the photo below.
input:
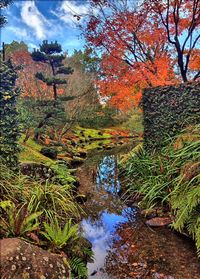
(143, 253)
(123, 246)
(100, 233)
(107, 175)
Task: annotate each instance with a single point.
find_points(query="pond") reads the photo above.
(123, 245)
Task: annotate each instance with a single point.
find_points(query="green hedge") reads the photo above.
(168, 110)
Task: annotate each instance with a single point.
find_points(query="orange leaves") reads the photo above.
(123, 85)
(144, 47)
(195, 60)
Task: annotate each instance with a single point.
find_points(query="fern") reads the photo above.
(78, 268)
(18, 222)
(58, 236)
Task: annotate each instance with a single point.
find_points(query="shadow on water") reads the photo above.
(123, 246)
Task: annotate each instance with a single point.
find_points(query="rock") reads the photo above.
(49, 152)
(93, 273)
(149, 213)
(159, 221)
(163, 276)
(36, 170)
(20, 259)
(76, 161)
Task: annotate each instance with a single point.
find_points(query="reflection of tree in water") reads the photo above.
(143, 253)
(100, 184)
(107, 175)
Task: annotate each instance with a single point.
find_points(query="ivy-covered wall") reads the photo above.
(167, 110)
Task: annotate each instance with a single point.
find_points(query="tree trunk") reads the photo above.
(40, 125)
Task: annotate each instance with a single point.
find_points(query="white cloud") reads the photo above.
(19, 32)
(99, 236)
(69, 8)
(32, 17)
(31, 46)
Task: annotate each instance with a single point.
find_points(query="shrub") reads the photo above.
(9, 126)
(17, 222)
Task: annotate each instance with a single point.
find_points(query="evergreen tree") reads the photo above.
(9, 126)
(51, 54)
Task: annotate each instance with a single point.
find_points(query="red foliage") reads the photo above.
(30, 86)
(137, 46)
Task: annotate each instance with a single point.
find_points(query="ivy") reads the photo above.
(167, 110)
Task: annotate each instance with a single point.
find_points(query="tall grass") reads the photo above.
(48, 197)
(171, 177)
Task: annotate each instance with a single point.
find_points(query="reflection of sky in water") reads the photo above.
(107, 174)
(100, 233)
(101, 237)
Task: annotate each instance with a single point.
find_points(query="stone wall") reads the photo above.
(168, 110)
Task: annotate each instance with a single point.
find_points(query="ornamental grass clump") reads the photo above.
(170, 177)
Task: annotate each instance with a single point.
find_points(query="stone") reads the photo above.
(36, 170)
(35, 263)
(49, 152)
(159, 221)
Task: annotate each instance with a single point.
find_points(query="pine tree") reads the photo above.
(51, 54)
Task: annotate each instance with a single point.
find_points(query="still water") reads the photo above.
(123, 246)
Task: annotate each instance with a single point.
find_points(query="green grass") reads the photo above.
(134, 122)
(93, 133)
(30, 152)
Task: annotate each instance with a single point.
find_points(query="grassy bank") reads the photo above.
(170, 180)
(44, 212)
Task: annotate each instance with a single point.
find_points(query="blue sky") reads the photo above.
(32, 21)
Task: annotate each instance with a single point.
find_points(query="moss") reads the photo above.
(91, 133)
(30, 152)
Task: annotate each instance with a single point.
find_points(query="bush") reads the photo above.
(9, 124)
(98, 118)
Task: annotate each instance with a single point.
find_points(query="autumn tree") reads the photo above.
(135, 49)
(181, 22)
(13, 47)
(80, 84)
(33, 91)
(30, 86)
